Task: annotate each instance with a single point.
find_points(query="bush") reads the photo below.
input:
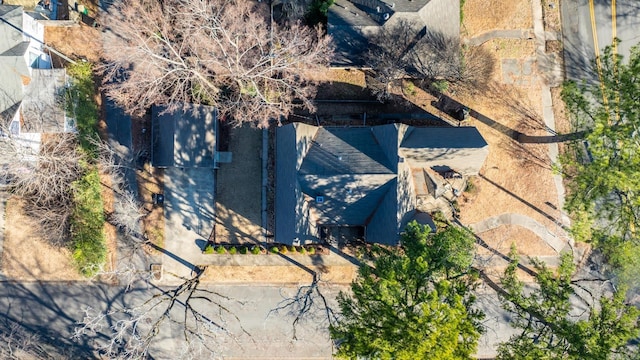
(233, 250)
(471, 187)
(303, 250)
(87, 222)
(208, 249)
(80, 104)
(311, 250)
(243, 250)
(274, 250)
(440, 86)
(293, 249)
(220, 249)
(318, 12)
(283, 249)
(255, 250)
(410, 88)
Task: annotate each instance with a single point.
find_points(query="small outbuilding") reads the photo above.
(184, 137)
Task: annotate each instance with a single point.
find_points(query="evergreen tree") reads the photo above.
(548, 331)
(413, 302)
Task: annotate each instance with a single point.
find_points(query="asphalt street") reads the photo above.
(578, 32)
(53, 310)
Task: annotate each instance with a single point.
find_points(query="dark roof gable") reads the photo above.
(185, 137)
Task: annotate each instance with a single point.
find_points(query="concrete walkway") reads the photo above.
(4, 196)
(557, 241)
(551, 69)
(522, 34)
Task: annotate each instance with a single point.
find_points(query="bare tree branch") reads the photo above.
(308, 303)
(223, 53)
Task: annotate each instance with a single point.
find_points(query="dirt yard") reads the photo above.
(238, 189)
(28, 257)
(77, 41)
(516, 177)
(481, 16)
(277, 274)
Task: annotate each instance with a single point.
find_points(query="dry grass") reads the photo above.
(150, 181)
(551, 15)
(526, 242)
(75, 41)
(484, 15)
(28, 257)
(110, 231)
(341, 84)
(27, 4)
(238, 189)
(277, 274)
(511, 48)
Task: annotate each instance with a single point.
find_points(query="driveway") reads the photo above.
(189, 217)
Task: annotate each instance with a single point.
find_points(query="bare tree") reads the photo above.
(308, 304)
(388, 56)
(407, 50)
(225, 53)
(44, 179)
(132, 329)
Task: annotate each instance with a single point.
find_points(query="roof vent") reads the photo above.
(378, 9)
(319, 199)
(385, 16)
(400, 159)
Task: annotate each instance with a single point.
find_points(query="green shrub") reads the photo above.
(220, 249)
(471, 187)
(243, 250)
(208, 249)
(410, 88)
(233, 250)
(255, 250)
(80, 104)
(303, 250)
(318, 12)
(87, 222)
(293, 249)
(311, 250)
(283, 249)
(441, 86)
(274, 250)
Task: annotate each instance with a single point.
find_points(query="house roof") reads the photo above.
(185, 137)
(12, 63)
(443, 137)
(337, 151)
(42, 110)
(339, 176)
(10, 26)
(462, 149)
(351, 23)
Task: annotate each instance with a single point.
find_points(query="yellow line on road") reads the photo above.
(596, 47)
(615, 54)
(613, 26)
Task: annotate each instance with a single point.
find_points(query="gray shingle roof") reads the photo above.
(12, 63)
(42, 110)
(336, 151)
(359, 176)
(352, 169)
(352, 22)
(462, 149)
(184, 137)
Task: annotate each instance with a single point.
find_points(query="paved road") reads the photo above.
(578, 32)
(52, 310)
